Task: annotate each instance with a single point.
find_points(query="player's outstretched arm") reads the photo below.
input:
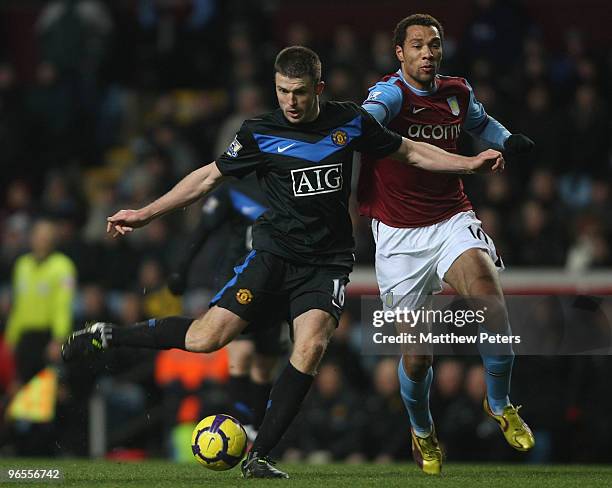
(518, 144)
(434, 159)
(194, 186)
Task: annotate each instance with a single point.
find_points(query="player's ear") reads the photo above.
(399, 53)
(319, 87)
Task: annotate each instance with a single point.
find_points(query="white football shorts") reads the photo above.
(411, 262)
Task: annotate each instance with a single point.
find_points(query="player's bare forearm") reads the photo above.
(432, 158)
(437, 160)
(194, 186)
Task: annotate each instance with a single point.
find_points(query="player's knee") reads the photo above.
(203, 343)
(213, 330)
(203, 346)
(317, 349)
(496, 314)
(485, 284)
(312, 350)
(416, 367)
(499, 305)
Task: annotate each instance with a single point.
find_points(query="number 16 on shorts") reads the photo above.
(338, 294)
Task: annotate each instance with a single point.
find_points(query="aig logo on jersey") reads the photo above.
(316, 180)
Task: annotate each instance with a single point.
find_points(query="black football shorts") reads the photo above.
(267, 288)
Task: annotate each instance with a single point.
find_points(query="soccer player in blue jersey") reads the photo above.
(425, 228)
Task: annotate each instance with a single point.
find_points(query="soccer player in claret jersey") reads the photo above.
(302, 246)
(424, 226)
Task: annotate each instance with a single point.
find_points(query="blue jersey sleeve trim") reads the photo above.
(494, 133)
(377, 110)
(477, 129)
(483, 126)
(476, 115)
(389, 95)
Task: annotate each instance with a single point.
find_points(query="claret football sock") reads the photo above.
(498, 370)
(166, 333)
(416, 399)
(285, 400)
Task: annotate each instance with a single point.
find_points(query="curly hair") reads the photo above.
(399, 34)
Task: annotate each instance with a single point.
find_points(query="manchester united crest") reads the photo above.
(339, 137)
(244, 296)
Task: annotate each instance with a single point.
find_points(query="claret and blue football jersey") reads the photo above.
(405, 196)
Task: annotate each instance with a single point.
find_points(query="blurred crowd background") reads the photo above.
(107, 104)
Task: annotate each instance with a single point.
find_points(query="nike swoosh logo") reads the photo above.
(417, 110)
(283, 149)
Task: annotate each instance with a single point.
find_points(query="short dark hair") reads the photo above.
(298, 62)
(399, 34)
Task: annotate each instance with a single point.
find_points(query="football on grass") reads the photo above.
(219, 442)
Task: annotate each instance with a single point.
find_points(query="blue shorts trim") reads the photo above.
(238, 269)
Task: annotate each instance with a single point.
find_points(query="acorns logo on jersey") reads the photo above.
(244, 296)
(339, 137)
(317, 179)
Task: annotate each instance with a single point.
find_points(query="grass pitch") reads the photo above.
(154, 474)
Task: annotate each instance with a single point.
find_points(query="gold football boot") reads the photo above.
(426, 452)
(515, 430)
